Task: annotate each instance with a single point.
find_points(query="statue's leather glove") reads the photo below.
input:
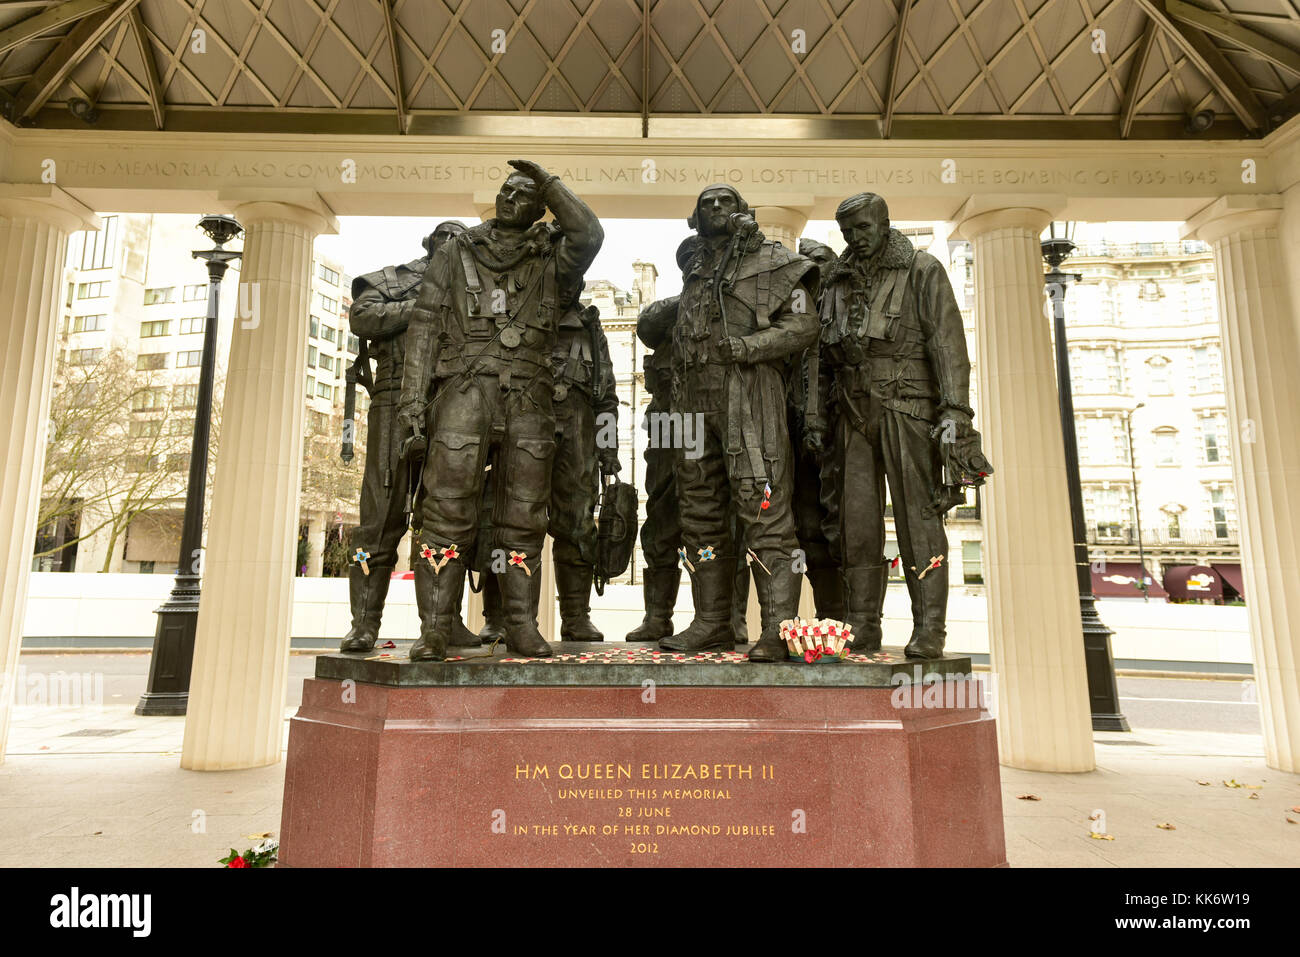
(534, 172)
(414, 445)
(609, 463)
(733, 349)
(953, 425)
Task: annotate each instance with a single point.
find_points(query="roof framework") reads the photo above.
(1024, 69)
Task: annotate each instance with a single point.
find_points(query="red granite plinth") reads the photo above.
(629, 776)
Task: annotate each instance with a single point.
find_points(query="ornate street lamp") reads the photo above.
(168, 690)
(1103, 691)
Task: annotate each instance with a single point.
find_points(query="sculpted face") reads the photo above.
(443, 233)
(518, 203)
(865, 229)
(714, 211)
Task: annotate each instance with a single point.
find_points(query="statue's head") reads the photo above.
(819, 253)
(518, 202)
(714, 208)
(441, 233)
(864, 222)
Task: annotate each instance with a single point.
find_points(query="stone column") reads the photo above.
(241, 653)
(316, 541)
(783, 223)
(1261, 357)
(1035, 633)
(35, 221)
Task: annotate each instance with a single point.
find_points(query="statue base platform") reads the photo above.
(621, 755)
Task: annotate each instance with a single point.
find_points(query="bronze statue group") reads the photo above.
(812, 381)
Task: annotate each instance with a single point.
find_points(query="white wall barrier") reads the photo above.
(97, 607)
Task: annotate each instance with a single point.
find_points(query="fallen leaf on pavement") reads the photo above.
(1166, 827)
(1252, 787)
(1292, 820)
(1254, 797)
(1028, 797)
(258, 837)
(1204, 783)
(1101, 837)
(1231, 784)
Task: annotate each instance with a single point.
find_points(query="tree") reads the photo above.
(118, 447)
(328, 483)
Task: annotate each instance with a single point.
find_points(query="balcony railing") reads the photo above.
(1192, 537)
(1188, 247)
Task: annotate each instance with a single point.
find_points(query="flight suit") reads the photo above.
(483, 330)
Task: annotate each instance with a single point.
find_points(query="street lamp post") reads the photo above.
(1137, 508)
(168, 690)
(1103, 690)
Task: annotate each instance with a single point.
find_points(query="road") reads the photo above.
(1185, 704)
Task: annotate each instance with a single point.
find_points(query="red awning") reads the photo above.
(1193, 583)
(1232, 577)
(1120, 580)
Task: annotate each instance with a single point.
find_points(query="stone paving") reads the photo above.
(84, 800)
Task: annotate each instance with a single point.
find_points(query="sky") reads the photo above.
(366, 243)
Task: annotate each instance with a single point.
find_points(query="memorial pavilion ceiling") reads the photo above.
(926, 69)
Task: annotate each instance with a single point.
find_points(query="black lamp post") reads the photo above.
(1137, 506)
(168, 690)
(1103, 691)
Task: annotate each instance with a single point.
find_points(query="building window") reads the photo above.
(1213, 431)
(146, 568)
(311, 387)
(189, 359)
(178, 462)
(331, 306)
(193, 324)
(354, 344)
(314, 330)
(98, 245)
(1175, 526)
(1160, 381)
(180, 426)
(144, 428)
(145, 400)
(1166, 442)
(185, 396)
(1219, 507)
(152, 330)
(324, 391)
(1095, 371)
(971, 568)
(191, 293)
(84, 357)
(1209, 369)
(159, 295)
(92, 290)
(84, 394)
(1111, 510)
(90, 323)
(311, 357)
(329, 275)
(327, 333)
(150, 361)
(325, 362)
(141, 463)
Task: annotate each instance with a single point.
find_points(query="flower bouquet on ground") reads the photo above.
(814, 640)
(261, 854)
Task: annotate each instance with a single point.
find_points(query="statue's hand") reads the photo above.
(413, 444)
(532, 170)
(609, 464)
(732, 349)
(953, 426)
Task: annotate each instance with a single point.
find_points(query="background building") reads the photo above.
(130, 341)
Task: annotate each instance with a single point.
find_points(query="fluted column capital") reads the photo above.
(987, 212)
(304, 207)
(46, 202)
(1231, 214)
